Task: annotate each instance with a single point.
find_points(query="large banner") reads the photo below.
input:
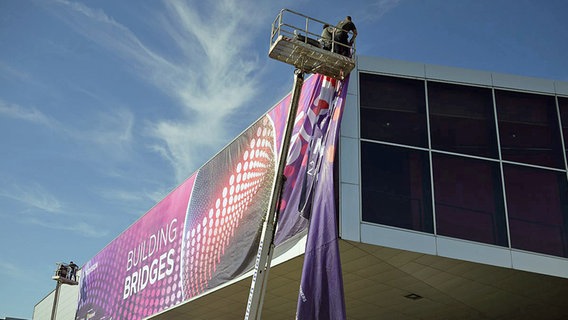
(321, 286)
(206, 231)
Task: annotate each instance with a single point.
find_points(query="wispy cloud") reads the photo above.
(133, 197)
(376, 10)
(80, 228)
(33, 196)
(7, 268)
(12, 73)
(26, 114)
(134, 203)
(111, 131)
(210, 71)
(123, 196)
(42, 208)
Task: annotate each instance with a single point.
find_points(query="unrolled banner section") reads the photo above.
(321, 287)
(206, 231)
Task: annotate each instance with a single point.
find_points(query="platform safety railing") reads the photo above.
(296, 39)
(293, 24)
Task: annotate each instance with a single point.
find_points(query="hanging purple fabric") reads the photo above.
(321, 288)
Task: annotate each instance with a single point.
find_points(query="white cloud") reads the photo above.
(113, 132)
(211, 71)
(8, 268)
(33, 196)
(26, 114)
(44, 209)
(41, 207)
(376, 10)
(123, 196)
(80, 228)
(227, 68)
(12, 73)
(133, 197)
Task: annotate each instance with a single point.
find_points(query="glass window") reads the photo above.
(528, 128)
(469, 200)
(462, 119)
(393, 109)
(396, 187)
(563, 104)
(537, 204)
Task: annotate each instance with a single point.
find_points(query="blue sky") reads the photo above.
(106, 106)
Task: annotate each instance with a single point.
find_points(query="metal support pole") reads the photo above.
(264, 255)
(55, 300)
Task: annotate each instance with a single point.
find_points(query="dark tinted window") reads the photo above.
(396, 187)
(528, 127)
(563, 104)
(462, 119)
(469, 199)
(393, 109)
(537, 205)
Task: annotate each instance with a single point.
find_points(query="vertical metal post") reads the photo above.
(55, 300)
(266, 247)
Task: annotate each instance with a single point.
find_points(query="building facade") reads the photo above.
(459, 159)
(465, 165)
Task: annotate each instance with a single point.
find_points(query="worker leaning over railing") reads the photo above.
(336, 38)
(343, 28)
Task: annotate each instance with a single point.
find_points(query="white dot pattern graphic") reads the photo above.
(241, 191)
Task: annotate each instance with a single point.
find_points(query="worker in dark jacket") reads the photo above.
(343, 28)
(73, 271)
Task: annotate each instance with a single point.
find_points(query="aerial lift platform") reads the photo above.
(296, 40)
(62, 275)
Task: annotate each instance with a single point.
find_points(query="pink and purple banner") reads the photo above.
(206, 231)
(321, 286)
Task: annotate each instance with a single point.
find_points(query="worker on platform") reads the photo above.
(327, 37)
(62, 270)
(73, 271)
(343, 28)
